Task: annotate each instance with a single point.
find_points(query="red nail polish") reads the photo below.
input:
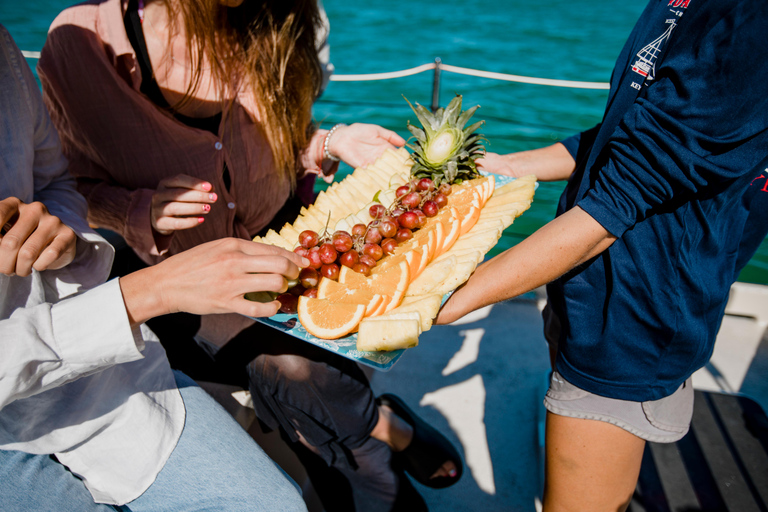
(200, 220)
(206, 207)
(207, 186)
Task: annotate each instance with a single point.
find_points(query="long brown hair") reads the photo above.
(267, 46)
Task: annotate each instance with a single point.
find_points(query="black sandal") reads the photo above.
(428, 450)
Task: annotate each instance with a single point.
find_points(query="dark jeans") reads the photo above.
(296, 387)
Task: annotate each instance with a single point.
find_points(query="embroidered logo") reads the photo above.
(645, 65)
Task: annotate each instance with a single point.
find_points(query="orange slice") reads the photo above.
(335, 292)
(329, 320)
(452, 231)
(392, 282)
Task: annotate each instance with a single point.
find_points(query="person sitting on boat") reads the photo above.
(666, 202)
(190, 121)
(91, 414)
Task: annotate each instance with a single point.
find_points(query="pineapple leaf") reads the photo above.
(417, 132)
(425, 118)
(451, 114)
(465, 116)
(472, 128)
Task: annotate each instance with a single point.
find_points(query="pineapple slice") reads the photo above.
(377, 334)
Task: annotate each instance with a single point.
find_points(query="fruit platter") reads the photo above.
(389, 243)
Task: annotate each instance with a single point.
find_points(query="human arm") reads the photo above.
(47, 345)
(551, 163)
(559, 246)
(211, 278)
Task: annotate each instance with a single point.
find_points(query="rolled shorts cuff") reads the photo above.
(666, 420)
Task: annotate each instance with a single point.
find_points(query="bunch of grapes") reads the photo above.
(361, 249)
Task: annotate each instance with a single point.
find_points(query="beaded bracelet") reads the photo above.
(327, 154)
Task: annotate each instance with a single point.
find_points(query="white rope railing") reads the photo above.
(383, 76)
(525, 79)
(573, 84)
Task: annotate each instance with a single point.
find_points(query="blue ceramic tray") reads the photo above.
(346, 346)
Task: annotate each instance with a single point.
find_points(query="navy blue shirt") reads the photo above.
(678, 171)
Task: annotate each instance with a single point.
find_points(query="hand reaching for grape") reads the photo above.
(179, 203)
(211, 278)
(360, 144)
(30, 237)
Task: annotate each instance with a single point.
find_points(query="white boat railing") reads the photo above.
(437, 67)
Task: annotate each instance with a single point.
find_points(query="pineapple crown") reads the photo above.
(444, 150)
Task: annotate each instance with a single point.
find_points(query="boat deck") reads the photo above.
(482, 380)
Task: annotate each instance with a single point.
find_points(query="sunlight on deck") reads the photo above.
(463, 405)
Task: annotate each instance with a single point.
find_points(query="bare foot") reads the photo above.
(397, 433)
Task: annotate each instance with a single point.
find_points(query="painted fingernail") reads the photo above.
(200, 220)
(207, 186)
(213, 197)
(206, 207)
(452, 473)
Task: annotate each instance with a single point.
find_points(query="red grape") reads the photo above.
(310, 292)
(377, 211)
(397, 212)
(388, 245)
(308, 239)
(408, 220)
(387, 228)
(411, 200)
(342, 241)
(425, 185)
(297, 290)
(441, 200)
(445, 189)
(327, 253)
(309, 277)
(367, 260)
(330, 271)
(422, 217)
(373, 236)
(430, 208)
(349, 259)
(402, 191)
(403, 235)
(314, 258)
(358, 229)
(301, 251)
(362, 268)
(288, 303)
(374, 251)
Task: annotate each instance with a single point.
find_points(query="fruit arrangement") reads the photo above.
(390, 240)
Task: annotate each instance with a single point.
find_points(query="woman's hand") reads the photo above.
(551, 163)
(211, 278)
(179, 202)
(30, 237)
(360, 144)
(497, 164)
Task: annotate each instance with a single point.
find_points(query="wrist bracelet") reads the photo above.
(327, 154)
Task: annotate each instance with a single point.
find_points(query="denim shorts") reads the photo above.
(660, 421)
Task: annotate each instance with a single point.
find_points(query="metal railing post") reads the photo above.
(436, 86)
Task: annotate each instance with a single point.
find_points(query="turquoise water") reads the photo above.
(562, 39)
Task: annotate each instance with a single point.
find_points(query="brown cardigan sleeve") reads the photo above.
(75, 69)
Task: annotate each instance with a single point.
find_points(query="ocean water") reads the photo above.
(560, 39)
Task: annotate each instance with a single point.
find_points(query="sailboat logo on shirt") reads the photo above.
(646, 58)
(645, 65)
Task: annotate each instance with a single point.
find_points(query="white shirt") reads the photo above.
(75, 380)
